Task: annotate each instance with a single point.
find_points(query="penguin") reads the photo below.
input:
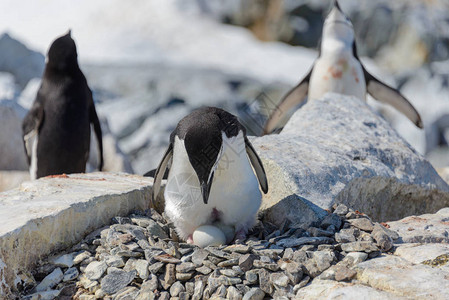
(214, 175)
(56, 130)
(338, 69)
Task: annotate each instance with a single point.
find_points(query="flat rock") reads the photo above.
(33, 215)
(418, 253)
(415, 229)
(351, 156)
(327, 289)
(402, 278)
(50, 280)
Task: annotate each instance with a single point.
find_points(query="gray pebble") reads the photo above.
(254, 294)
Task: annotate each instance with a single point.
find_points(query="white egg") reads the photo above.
(208, 235)
(228, 231)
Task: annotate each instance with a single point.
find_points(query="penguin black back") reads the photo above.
(61, 115)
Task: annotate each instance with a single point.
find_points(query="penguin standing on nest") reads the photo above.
(214, 177)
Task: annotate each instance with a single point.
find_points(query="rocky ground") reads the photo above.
(141, 257)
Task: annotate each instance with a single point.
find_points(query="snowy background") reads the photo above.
(149, 63)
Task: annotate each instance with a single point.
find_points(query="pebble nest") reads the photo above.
(141, 257)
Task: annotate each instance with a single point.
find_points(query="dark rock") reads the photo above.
(116, 280)
(245, 262)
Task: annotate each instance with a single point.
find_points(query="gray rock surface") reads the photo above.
(350, 156)
(11, 144)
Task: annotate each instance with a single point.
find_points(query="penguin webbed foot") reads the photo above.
(190, 239)
(240, 237)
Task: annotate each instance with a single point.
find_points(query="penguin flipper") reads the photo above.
(160, 173)
(30, 126)
(391, 96)
(257, 165)
(295, 96)
(93, 118)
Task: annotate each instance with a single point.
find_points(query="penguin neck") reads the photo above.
(335, 48)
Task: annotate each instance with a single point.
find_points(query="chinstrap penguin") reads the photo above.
(338, 69)
(56, 130)
(211, 179)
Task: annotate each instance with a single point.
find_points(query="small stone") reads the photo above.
(341, 210)
(343, 273)
(228, 263)
(70, 274)
(190, 288)
(176, 289)
(95, 270)
(356, 257)
(114, 261)
(238, 270)
(50, 280)
(116, 280)
(214, 260)
(347, 235)
(351, 215)
(154, 229)
(229, 280)
(150, 284)
(252, 276)
(363, 224)
(383, 240)
(359, 246)
(264, 281)
(228, 272)
(184, 276)
(218, 253)
(199, 289)
(64, 261)
(233, 293)
(220, 292)
(204, 270)
(246, 261)
(331, 219)
(141, 267)
(185, 267)
(238, 248)
(169, 277)
(288, 253)
(269, 266)
(295, 242)
(302, 284)
(313, 231)
(81, 256)
(156, 267)
(125, 238)
(209, 265)
(199, 255)
(279, 279)
(129, 292)
(166, 258)
(254, 294)
(324, 259)
(183, 295)
(164, 296)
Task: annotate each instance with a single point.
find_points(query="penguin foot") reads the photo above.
(190, 239)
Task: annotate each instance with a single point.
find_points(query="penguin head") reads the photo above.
(62, 54)
(337, 30)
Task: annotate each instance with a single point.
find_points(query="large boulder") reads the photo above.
(337, 150)
(12, 151)
(17, 59)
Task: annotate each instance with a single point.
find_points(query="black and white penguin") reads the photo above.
(56, 130)
(214, 175)
(338, 69)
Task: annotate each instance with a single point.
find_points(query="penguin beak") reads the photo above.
(205, 188)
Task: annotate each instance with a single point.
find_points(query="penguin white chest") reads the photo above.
(234, 197)
(341, 74)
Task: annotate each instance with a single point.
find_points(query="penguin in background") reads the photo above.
(338, 69)
(214, 175)
(56, 130)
